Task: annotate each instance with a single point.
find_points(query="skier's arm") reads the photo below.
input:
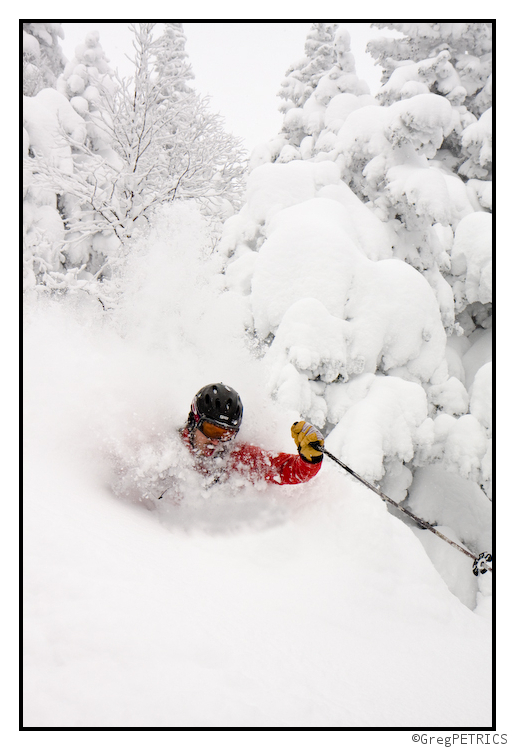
(287, 468)
(282, 468)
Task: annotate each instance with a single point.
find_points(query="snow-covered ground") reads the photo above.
(308, 606)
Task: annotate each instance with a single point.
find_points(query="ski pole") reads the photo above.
(480, 561)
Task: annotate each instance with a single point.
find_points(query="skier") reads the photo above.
(210, 431)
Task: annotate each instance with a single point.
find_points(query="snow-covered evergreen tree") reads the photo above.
(303, 76)
(172, 64)
(345, 255)
(78, 251)
(437, 79)
(84, 79)
(453, 60)
(326, 75)
(50, 127)
(43, 58)
(414, 63)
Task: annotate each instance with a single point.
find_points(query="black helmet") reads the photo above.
(219, 404)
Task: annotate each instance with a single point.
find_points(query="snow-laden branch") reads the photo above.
(148, 142)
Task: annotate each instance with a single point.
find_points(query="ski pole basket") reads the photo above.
(480, 565)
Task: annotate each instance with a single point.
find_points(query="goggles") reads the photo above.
(215, 432)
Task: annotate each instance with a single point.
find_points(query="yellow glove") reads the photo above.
(306, 437)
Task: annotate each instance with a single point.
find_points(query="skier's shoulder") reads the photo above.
(248, 453)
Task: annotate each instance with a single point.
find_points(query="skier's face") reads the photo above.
(209, 439)
(205, 445)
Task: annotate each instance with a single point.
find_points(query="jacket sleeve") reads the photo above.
(277, 468)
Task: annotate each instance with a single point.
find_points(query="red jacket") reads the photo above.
(255, 463)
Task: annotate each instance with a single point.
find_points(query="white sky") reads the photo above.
(240, 65)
